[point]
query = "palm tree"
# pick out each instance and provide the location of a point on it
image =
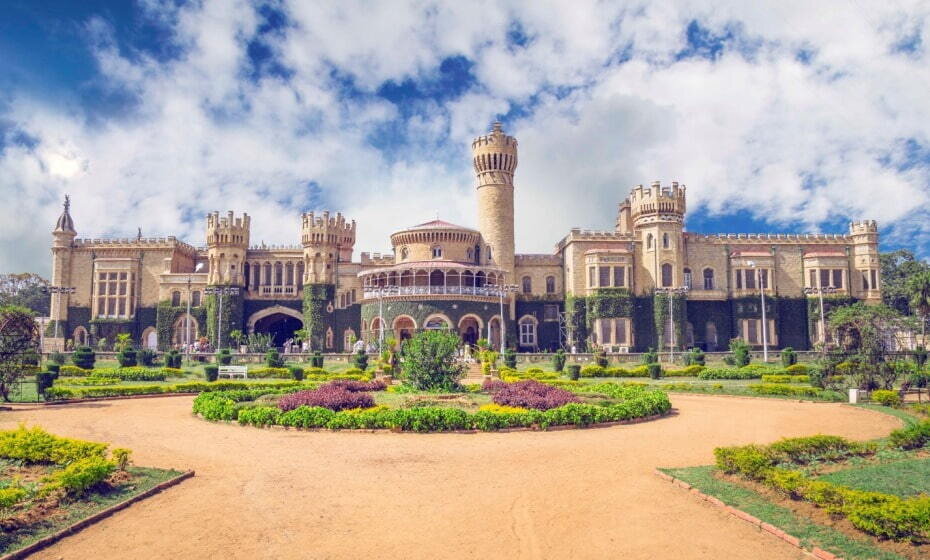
(918, 290)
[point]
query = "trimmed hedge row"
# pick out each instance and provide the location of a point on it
(124, 373)
(786, 379)
(66, 393)
(878, 514)
(795, 391)
(223, 406)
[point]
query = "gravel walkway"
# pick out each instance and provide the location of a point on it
(567, 494)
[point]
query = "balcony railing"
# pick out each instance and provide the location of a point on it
(370, 292)
(276, 290)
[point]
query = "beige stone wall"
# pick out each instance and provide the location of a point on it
(538, 274)
(495, 221)
(457, 246)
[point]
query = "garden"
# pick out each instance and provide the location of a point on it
(852, 499)
(50, 483)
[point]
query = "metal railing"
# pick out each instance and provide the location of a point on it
(371, 292)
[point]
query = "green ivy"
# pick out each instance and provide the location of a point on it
(166, 315)
(315, 298)
(231, 316)
(608, 303)
(660, 316)
(576, 315)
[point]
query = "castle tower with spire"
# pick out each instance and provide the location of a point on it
(62, 254)
(494, 157)
(227, 243)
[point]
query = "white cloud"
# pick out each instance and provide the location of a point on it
(755, 129)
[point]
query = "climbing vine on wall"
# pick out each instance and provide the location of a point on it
(660, 310)
(576, 317)
(609, 303)
(830, 303)
(316, 297)
(231, 317)
(166, 315)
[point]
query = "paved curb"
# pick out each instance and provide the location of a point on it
(99, 516)
(816, 552)
(563, 427)
(116, 398)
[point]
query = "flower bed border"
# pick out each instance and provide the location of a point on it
(561, 427)
(46, 541)
(816, 552)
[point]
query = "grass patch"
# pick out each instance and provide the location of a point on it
(904, 478)
(810, 533)
(93, 502)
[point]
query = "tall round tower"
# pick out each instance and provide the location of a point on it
(326, 241)
(227, 243)
(495, 158)
(62, 248)
(657, 215)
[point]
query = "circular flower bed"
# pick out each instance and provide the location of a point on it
(525, 404)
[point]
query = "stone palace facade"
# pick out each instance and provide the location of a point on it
(646, 282)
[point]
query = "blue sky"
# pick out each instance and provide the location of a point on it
(779, 117)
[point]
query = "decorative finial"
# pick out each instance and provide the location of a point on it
(67, 203)
(139, 234)
(497, 127)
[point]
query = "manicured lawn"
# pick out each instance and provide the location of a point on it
(809, 532)
(903, 478)
(92, 502)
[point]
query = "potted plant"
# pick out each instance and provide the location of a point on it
(237, 335)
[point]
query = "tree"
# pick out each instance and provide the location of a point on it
(870, 332)
(918, 290)
(25, 290)
(429, 360)
(897, 267)
(19, 336)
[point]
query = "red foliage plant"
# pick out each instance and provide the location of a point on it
(532, 394)
(358, 386)
(331, 396)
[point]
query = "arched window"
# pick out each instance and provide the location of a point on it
(527, 331)
(710, 336)
(175, 299)
(687, 275)
(666, 275)
(649, 241)
(437, 252)
(246, 274)
(195, 299)
(278, 274)
(550, 284)
(477, 254)
(403, 253)
(489, 253)
(348, 339)
(708, 278)
(329, 338)
(469, 254)
(527, 285)
(665, 242)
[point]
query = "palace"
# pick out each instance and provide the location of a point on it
(645, 282)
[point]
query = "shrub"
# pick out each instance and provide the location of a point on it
(650, 357)
(224, 357)
(740, 352)
(655, 370)
(44, 380)
(501, 409)
(360, 360)
(920, 356)
(786, 378)
(797, 369)
(146, 357)
(211, 372)
(788, 357)
(57, 358)
(74, 371)
(131, 373)
(533, 394)
(729, 373)
(317, 360)
(83, 357)
(53, 368)
(273, 359)
(328, 396)
(592, 370)
(510, 358)
(911, 437)
(429, 360)
(558, 360)
(600, 358)
(126, 357)
(689, 371)
(886, 398)
(270, 372)
(358, 386)
(296, 372)
(574, 372)
(788, 390)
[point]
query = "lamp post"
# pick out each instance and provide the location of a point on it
(220, 291)
(765, 341)
(500, 290)
(823, 323)
(671, 317)
(58, 290)
(187, 323)
(383, 291)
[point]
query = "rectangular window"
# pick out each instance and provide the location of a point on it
(527, 334)
(813, 279)
(752, 331)
(621, 332)
(764, 273)
(837, 278)
(874, 280)
(619, 280)
(688, 280)
(750, 279)
(604, 273)
(592, 278)
(550, 312)
(824, 278)
(865, 279)
(739, 279)
(606, 324)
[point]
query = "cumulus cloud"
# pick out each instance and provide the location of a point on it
(802, 115)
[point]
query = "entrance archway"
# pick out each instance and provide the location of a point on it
(495, 334)
(470, 329)
(280, 326)
(404, 327)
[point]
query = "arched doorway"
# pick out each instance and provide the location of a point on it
(404, 327)
(150, 338)
(470, 329)
(494, 337)
(280, 326)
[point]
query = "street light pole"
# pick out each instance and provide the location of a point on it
(671, 317)
(187, 322)
(383, 291)
(765, 326)
(823, 321)
(501, 288)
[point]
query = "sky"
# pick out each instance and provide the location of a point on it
(778, 116)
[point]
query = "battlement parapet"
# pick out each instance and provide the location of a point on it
(863, 227)
(377, 259)
(771, 237)
(661, 203)
(324, 229)
(169, 242)
(228, 229)
(537, 259)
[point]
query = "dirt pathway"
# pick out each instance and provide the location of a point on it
(569, 494)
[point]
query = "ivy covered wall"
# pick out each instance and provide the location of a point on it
(316, 299)
(231, 317)
(716, 313)
(547, 332)
(662, 305)
(165, 317)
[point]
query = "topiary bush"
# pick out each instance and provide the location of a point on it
(429, 360)
(224, 357)
(600, 358)
(360, 360)
(655, 370)
(592, 370)
(510, 358)
(126, 357)
(788, 357)
(650, 356)
(173, 359)
(739, 352)
(211, 372)
(57, 358)
(574, 372)
(83, 357)
(558, 360)
(316, 360)
(146, 357)
(296, 372)
(273, 359)
(695, 357)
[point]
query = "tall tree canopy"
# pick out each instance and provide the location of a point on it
(25, 290)
(897, 267)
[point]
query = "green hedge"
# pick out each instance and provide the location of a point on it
(67, 393)
(793, 391)
(223, 406)
(730, 373)
(786, 379)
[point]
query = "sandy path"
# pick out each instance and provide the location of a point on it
(570, 494)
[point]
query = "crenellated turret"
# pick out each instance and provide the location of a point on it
(494, 157)
(656, 203)
(866, 260)
(227, 243)
(326, 240)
